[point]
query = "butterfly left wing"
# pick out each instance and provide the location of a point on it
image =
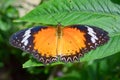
(40, 41)
(79, 39)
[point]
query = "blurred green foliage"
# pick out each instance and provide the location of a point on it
(11, 59)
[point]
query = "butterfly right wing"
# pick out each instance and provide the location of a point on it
(40, 41)
(80, 39)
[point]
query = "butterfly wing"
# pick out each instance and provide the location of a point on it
(79, 39)
(40, 41)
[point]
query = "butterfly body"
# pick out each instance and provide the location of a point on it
(69, 43)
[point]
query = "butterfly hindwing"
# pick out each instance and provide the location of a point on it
(79, 39)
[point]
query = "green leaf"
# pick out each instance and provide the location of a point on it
(4, 26)
(73, 12)
(101, 13)
(33, 63)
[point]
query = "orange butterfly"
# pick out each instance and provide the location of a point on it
(49, 44)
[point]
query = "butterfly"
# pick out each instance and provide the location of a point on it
(67, 44)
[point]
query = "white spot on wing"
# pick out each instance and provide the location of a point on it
(26, 36)
(23, 47)
(92, 34)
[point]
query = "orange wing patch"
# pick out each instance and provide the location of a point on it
(45, 42)
(71, 44)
